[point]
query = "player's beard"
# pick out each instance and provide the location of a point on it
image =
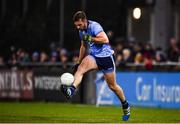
(84, 28)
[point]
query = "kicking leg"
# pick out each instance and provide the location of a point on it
(88, 63)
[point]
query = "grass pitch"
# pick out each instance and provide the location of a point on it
(74, 113)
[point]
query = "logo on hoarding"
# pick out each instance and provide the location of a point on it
(160, 91)
(142, 90)
(104, 94)
(47, 83)
(16, 84)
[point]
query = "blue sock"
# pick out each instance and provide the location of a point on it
(73, 88)
(125, 104)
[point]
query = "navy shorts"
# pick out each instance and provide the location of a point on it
(105, 64)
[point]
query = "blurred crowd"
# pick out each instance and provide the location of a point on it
(125, 52)
(21, 55)
(145, 53)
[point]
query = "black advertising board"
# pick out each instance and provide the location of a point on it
(47, 85)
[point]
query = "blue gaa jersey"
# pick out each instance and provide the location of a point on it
(97, 50)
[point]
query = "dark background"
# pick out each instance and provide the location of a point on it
(35, 24)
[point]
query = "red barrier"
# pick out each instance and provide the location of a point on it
(16, 84)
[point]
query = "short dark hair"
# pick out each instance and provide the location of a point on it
(79, 15)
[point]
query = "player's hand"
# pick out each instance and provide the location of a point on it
(75, 67)
(87, 37)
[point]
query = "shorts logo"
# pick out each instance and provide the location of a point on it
(109, 68)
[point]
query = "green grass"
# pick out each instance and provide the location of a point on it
(75, 113)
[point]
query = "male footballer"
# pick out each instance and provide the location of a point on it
(100, 57)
